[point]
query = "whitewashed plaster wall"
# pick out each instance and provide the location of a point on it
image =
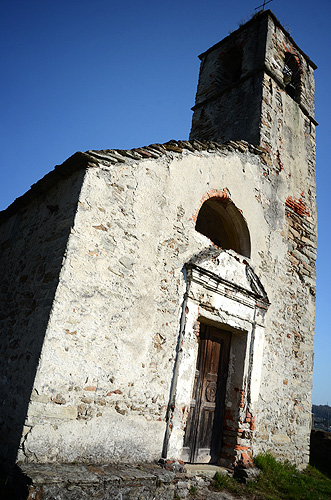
(103, 382)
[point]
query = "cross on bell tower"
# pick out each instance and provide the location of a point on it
(263, 5)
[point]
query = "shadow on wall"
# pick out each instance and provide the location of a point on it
(33, 243)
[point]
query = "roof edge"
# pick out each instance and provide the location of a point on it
(93, 158)
(75, 162)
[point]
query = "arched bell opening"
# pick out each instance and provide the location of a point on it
(292, 76)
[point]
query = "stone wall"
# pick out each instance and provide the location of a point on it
(33, 244)
(108, 348)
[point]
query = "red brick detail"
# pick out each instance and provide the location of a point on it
(242, 398)
(290, 50)
(250, 420)
(222, 194)
(246, 459)
(238, 447)
(297, 205)
(196, 329)
(297, 60)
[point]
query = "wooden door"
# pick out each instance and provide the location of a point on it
(203, 435)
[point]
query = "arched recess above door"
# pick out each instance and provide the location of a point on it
(221, 221)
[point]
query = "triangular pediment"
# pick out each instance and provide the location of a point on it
(225, 270)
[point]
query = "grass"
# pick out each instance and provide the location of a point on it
(227, 483)
(279, 481)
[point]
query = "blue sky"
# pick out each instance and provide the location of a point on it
(79, 75)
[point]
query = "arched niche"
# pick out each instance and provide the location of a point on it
(221, 221)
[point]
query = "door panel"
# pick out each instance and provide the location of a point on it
(203, 435)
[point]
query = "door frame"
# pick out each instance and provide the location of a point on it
(214, 297)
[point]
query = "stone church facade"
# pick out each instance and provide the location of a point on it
(160, 301)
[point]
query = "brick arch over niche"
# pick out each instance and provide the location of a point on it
(223, 223)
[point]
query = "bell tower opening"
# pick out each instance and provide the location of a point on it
(291, 74)
(229, 72)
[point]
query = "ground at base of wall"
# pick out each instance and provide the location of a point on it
(271, 480)
(111, 482)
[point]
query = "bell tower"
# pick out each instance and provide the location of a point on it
(257, 85)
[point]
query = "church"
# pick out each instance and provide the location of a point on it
(160, 301)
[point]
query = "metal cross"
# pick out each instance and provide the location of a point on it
(263, 5)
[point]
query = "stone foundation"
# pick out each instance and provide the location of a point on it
(124, 482)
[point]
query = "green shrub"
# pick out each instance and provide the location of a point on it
(282, 481)
(220, 481)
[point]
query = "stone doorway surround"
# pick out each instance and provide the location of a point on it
(222, 291)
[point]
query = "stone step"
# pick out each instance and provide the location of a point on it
(113, 482)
